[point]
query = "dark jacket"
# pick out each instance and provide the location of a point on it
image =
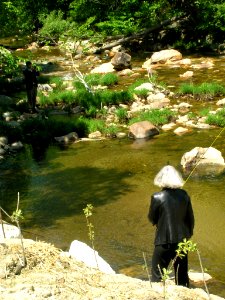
(30, 78)
(171, 211)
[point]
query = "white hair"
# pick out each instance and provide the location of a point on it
(169, 177)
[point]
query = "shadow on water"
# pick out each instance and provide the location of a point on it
(67, 192)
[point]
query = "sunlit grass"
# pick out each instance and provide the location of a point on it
(155, 116)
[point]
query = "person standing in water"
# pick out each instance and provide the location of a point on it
(30, 77)
(171, 212)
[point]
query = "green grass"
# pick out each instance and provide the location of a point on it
(109, 79)
(155, 116)
(121, 114)
(217, 119)
(209, 89)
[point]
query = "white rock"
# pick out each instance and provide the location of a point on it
(180, 130)
(199, 277)
(87, 255)
(145, 86)
(11, 231)
(221, 102)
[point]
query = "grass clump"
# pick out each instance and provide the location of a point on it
(109, 79)
(217, 119)
(121, 114)
(206, 89)
(157, 117)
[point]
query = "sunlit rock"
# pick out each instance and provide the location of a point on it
(199, 277)
(165, 55)
(187, 74)
(221, 102)
(181, 130)
(168, 126)
(141, 130)
(104, 68)
(207, 161)
(95, 135)
(82, 252)
(9, 231)
(145, 86)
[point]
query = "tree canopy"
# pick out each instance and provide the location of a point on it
(201, 22)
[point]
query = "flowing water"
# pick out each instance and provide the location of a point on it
(116, 177)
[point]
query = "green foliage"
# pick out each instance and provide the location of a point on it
(92, 79)
(9, 64)
(121, 114)
(217, 119)
(58, 81)
(143, 93)
(109, 79)
(155, 116)
(54, 25)
(111, 130)
(94, 125)
(208, 89)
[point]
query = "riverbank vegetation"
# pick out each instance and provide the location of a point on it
(133, 20)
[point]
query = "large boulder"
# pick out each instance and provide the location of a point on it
(142, 130)
(121, 61)
(206, 160)
(163, 57)
(82, 252)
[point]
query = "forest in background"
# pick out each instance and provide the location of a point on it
(191, 25)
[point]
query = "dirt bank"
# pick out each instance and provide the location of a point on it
(50, 274)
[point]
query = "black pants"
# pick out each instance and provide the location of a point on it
(162, 256)
(31, 97)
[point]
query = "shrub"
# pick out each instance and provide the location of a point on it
(155, 116)
(9, 64)
(54, 26)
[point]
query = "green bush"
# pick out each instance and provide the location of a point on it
(155, 116)
(54, 26)
(9, 64)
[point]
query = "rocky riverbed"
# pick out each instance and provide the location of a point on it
(51, 274)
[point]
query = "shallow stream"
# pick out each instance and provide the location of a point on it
(116, 177)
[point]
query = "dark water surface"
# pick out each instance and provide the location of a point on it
(116, 177)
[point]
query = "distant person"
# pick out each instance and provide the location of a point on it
(30, 77)
(171, 211)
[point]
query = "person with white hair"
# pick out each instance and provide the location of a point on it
(171, 211)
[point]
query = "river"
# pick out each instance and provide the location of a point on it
(116, 177)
